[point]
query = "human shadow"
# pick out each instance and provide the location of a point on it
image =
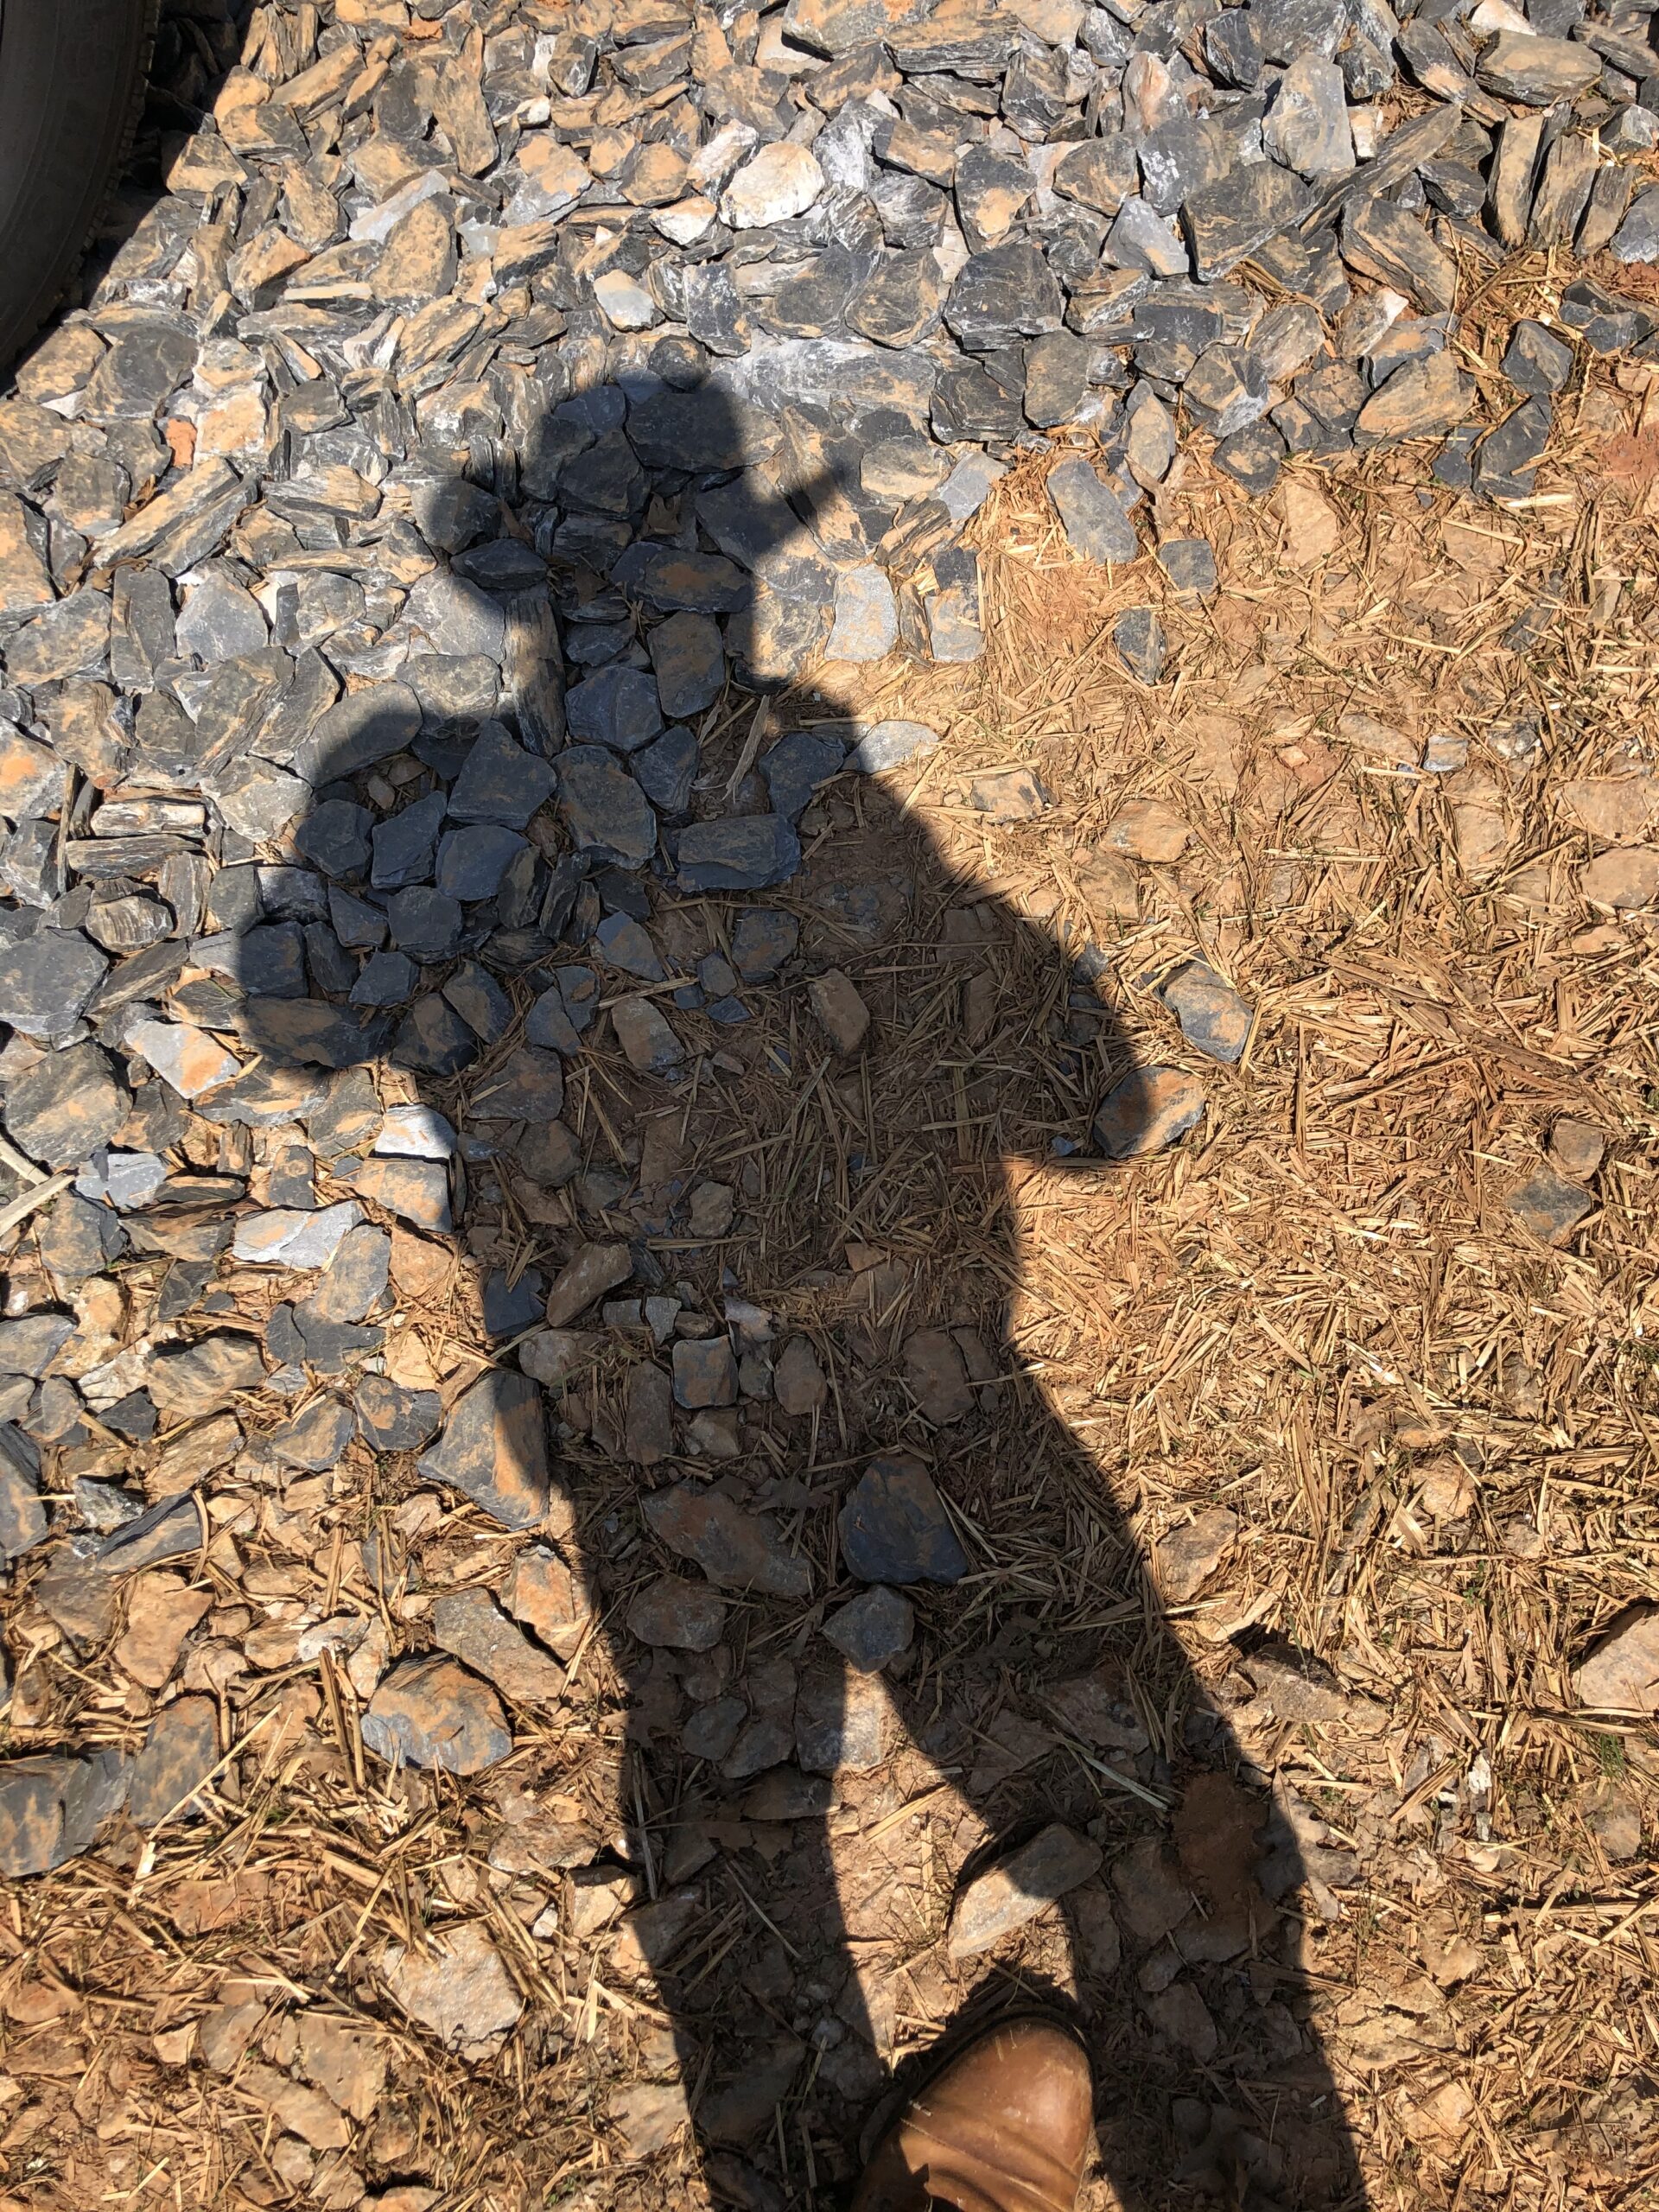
(726, 1082)
(529, 802)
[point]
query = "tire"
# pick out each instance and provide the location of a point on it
(72, 83)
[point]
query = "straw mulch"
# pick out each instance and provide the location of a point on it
(1437, 1433)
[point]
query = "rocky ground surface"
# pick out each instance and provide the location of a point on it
(829, 1103)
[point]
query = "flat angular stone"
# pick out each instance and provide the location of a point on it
(648, 1419)
(1227, 221)
(738, 853)
(618, 708)
(1002, 295)
(647, 1038)
(456, 1987)
(304, 1031)
(72, 638)
(840, 1011)
(468, 1624)
(735, 1549)
(1179, 157)
(1189, 1555)
(385, 979)
(392, 1417)
(1007, 794)
(873, 1630)
(219, 619)
(592, 1270)
(1227, 390)
(53, 1809)
(355, 1281)
(472, 861)
(607, 814)
(705, 1372)
(1148, 1110)
(900, 301)
(196, 1379)
(1306, 127)
(781, 181)
(963, 35)
(1637, 236)
(32, 777)
(680, 1615)
(1096, 525)
(48, 980)
(1506, 457)
(970, 402)
(1514, 172)
(1424, 399)
(1139, 636)
(1536, 72)
(1621, 1674)
(494, 1449)
(180, 1750)
(797, 766)
(625, 303)
(499, 781)
(357, 731)
(1537, 360)
(33, 441)
(1189, 564)
(647, 2116)
(1577, 1148)
(1563, 194)
(1056, 379)
(888, 745)
(315, 1439)
(282, 1236)
(405, 843)
(425, 923)
(937, 1377)
(965, 490)
(894, 1528)
(840, 1721)
(866, 623)
(1142, 238)
(1151, 441)
(688, 663)
(1607, 324)
(22, 1515)
(953, 634)
(1620, 810)
(431, 1713)
(29, 1344)
(1548, 1206)
(335, 836)
(1632, 131)
(1013, 1892)
(666, 771)
(992, 190)
(1383, 241)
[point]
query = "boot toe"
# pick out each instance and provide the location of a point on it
(1004, 2126)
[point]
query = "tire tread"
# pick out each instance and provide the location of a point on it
(16, 338)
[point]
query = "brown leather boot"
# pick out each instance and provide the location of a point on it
(1004, 2126)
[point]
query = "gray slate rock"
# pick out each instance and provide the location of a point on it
(894, 1528)
(1096, 525)
(748, 852)
(494, 1449)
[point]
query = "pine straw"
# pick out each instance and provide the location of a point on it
(1318, 1312)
